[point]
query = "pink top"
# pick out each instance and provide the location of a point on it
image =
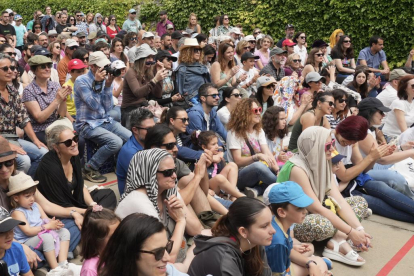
(263, 59)
(90, 267)
(112, 33)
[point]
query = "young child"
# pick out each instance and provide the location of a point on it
(288, 202)
(222, 177)
(12, 252)
(98, 226)
(39, 231)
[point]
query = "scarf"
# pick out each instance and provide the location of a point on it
(332, 38)
(311, 158)
(53, 183)
(142, 172)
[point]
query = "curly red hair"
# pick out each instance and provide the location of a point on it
(241, 117)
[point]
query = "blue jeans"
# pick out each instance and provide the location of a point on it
(226, 203)
(251, 175)
(387, 202)
(30, 161)
(115, 113)
(75, 234)
(392, 178)
(110, 137)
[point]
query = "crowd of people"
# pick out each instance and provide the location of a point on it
(255, 147)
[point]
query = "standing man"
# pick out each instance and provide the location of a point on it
(63, 26)
(289, 31)
(82, 27)
(20, 31)
(373, 56)
(132, 24)
(6, 28)
(162, 25)
(97, 26)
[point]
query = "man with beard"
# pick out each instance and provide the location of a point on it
(26, 55)
(274, 68)
(81, 39)
(6, 28)
(132, 24)
(63, 26)
(43, 40)
(97, 26)
(290, 31)
(165, 42)
(162, 25)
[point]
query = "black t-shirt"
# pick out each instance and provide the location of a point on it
(7, 29)
(60, 27)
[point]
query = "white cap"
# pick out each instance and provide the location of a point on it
(147, 34)
(249, 38)
(71, 42)
(235, 30)
(118, 64)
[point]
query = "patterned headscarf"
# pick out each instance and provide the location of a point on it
(332, 38)
(142, 172)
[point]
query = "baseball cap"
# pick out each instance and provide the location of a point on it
(118, 64)
(101, 40)
(52, 32)
(162, 12)
(288, 42)
(289, 26)
(162, 54)
(99, 59)
(42, 52)
(291, 192)
(276, 51)
(147, 35)
(397, 73)
(235, 30)
(92, 35)
(266, 193)
(313, 76)
(249, 38)
(248, 55)
(18, 17)
(101, 33)
(176, 35)
(20, 182)
(76, 64)
(7, 223)
(81, 34)
(132, 10)
(319, 43)
(371, 103)
(336, 157)
(264, 81)
(71, 42)
(170, 26)
(39, 60)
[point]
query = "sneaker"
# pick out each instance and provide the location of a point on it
(93, 176)
(250, 192)
(367, 213)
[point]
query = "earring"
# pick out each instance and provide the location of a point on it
(250, 247)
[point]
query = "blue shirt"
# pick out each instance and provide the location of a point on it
(20, 31)
(16, 260)
(34, 219)
(278, 252)
(92, 105)
(373, 61)
(125, 155)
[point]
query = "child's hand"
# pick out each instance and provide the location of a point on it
(301, 248)
(60, 225)
(52, 224)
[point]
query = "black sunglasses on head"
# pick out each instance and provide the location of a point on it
(159, 252)
(7, 163)
(68, 142)
(169, 146)
(168, 173)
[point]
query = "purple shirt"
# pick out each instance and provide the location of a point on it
(162, 28)
(90, 267)
(34, 93)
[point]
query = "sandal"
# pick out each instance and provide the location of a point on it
(351, 258)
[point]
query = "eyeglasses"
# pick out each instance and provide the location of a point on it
(302, 37)
(341, 100)
(184, 120)
(246, 48)
(257, 33)
(133, 38)
(37, 27)
(7, 163)
(78, 15)
(85, 58)
(319, 55)
(330, 145)
(10, 53)
(169, 146)
(159, 252)
(168, 173)
(331, 103)
(73, 48)
(347, 41)
(270, 86)
(213, 95)
(6, 68)
(237, 95)
(257, 110)
(44, 66)
(296, 60)
(197, 50)
(252, 41)
(57, 47)
(69, 142)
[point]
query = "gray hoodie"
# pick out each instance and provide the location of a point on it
(95, 27)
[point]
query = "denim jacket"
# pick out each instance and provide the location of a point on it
(190, 77)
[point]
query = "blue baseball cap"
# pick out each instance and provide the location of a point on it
(291, 192)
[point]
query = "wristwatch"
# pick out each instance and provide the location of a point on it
(310, 261)
(71, 212)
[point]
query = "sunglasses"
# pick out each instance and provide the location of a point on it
(6, 68)
(133, 38)
(225, 19)
(69, 142)
(113, 19)
(52, 36)
(168, 173)
(412, 86)
(330, 145)
(159, 252)
(237, 95)
(143, 128)
(213, 96)
(252, 41)
(73, 48)
(78, 15)
(57, 47)
(341, 100)
(7, 163)
(246, 48)
(72, 19)
(37, 27)
(63, 43)
(169, 146)
(381, 112)
(347, 41)
(197, 50)
(44, 66)
(270, 86)
(168, 59)
(257, 33)
(184, 120)
(86, 58)
(133, 13)
(296, 60)
(319, 55)
(302, 37)
(257, 110)
(329, 102)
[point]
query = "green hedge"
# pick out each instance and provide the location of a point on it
(360, 19)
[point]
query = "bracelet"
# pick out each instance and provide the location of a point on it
(401, 149)
(71, 212)
(310, 261)
(359, 228)
(349, 231)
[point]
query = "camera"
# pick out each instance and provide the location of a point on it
(113, 72)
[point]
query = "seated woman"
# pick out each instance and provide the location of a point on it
(130, 40)
(381, 198)
(191, 72)
(237, 245)
(44, 99)
(373, 110)
(265, 89)
(151, 188)
(142, 248)
(340, 109)
(362, 83)
(313, 83)
(266, 43)
(247, 147)
(241, 48)
(312, 170)
(401, 116)
(314, 62)
(343, 57)
(322, 105)
(293, 65)
(333, 39)
(231, 96)
(319, 43)
(117, 51)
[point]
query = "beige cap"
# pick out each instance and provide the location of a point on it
(397, 73)
(19, 183)
(99, 59)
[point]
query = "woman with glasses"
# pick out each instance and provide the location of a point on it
(265, 90)
(117, 51)
(62, 40)
(224, 27)
(82, 54)
(130, 40)
(112, 29)
(340, 109)
(241, 48)
(71, 20)
(231, 96)
(300, 47)
(266, 43)
(343, 56)
(54, 48)
(293, 64)
(322, 105)
(142, 247)
(314, 62)
(256, 32)
(333, 39)
(151, 188)
(37, 27)
(247, 147)
(312, 170)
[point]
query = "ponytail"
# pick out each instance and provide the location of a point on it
(202, 138)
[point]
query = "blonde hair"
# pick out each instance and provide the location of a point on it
(290, 58)
(270, 39)
(189, 20)
(240, 46)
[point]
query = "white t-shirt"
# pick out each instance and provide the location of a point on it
(224, 115)
(207, 118)
(407, 136)
(387, 96)
(346, 151)
(256, 140)
(391, 125)
(302, 53)
(250, 75)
